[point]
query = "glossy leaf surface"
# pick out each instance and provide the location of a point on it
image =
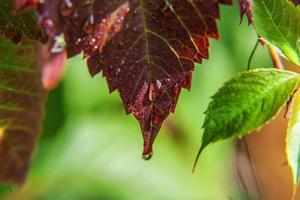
(246, 103)
(278, 22)
(145, 49)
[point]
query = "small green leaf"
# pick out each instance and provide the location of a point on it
(6, 188)
(278, 23)
(293, 139)
(246, 103)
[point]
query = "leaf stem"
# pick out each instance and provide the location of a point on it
(275, 58)
(252, 54)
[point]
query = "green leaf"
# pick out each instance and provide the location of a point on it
(14, 27)
(21, 105)
(6, 188)
(293, 139)
(278, 23)
(246, 103)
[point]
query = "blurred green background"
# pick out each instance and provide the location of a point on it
(90, 149)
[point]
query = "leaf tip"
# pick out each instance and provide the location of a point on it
(147, 156)
(197, 157)
(148, 152)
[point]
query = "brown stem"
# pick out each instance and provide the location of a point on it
(275, 58)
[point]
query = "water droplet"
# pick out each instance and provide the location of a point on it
(75, 14)
(48, 24)
(68, 3)
(78, 41)
(147, 153)
(95, 48)
(66, 7)
(147, 156)
(151, 92)
(158, 84)
(91, 19)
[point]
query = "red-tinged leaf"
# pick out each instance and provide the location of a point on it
(98, 34)
(14, 27)
(246, 8)
(145, 49)
(53, 67)
(21, 105)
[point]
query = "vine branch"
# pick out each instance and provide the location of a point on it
(251, 55)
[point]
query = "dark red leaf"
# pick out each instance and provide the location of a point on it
(145, 49)
(246, 8)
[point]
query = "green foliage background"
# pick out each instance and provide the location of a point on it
(91, 150)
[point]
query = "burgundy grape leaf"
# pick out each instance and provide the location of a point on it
(145, 49)
(21, 105)
(14, 27)
(246, 8)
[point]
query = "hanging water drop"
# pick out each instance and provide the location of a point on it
(147, 156)
(78, 41)
(147, 153)
(158, 84)
(92, 42)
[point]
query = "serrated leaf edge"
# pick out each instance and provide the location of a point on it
(296, 76)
